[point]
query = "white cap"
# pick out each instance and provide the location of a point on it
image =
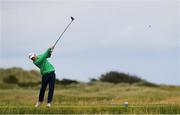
(31, 55)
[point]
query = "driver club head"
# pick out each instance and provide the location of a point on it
(72, 18)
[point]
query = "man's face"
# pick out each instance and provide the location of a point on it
(34, 58)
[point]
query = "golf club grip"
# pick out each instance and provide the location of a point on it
(62, 34)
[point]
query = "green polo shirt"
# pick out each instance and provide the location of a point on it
(43, 64)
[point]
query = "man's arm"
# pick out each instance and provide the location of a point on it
(50, 52)
(45, 55)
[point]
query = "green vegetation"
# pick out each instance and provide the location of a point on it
(10, 79)
(66, 82)
(116, 77)
(18, 75)
(93, 97)
(97, 97)
(19, 78)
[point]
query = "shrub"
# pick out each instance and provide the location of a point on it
(116, 77)
(57, 81)
(29, 84)
(148, 84)
(10, 79)
(93, 79)
(67, 81)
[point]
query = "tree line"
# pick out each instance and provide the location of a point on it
(25, 78)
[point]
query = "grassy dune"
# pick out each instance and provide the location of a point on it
(95, 98)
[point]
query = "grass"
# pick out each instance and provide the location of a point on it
(94, 98)
(105, 109)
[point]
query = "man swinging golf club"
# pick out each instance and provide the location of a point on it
(48, 74)
(47, 71)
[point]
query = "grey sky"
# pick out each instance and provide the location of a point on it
(137, 37)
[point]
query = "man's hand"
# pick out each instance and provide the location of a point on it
(52, 47)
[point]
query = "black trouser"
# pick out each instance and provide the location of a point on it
(48, 78)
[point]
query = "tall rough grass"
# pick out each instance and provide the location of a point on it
(96, 97)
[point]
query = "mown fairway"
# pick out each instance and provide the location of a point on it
(95, 98)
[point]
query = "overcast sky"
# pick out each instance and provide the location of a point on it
(136, 37)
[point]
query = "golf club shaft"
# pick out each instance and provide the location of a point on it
(62, 34)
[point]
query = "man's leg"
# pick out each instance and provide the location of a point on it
(51, 87)
(43, 88)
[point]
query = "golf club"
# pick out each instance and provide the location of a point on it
(72, 18)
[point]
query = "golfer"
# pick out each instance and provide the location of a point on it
(48, 75)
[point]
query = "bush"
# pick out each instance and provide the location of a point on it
(93, 79)
(10, 79)
(57, 81)
(116, 77)
(148, 84)
(66, 81)
(29, 84)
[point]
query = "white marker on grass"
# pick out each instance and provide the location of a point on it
(126, 104)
